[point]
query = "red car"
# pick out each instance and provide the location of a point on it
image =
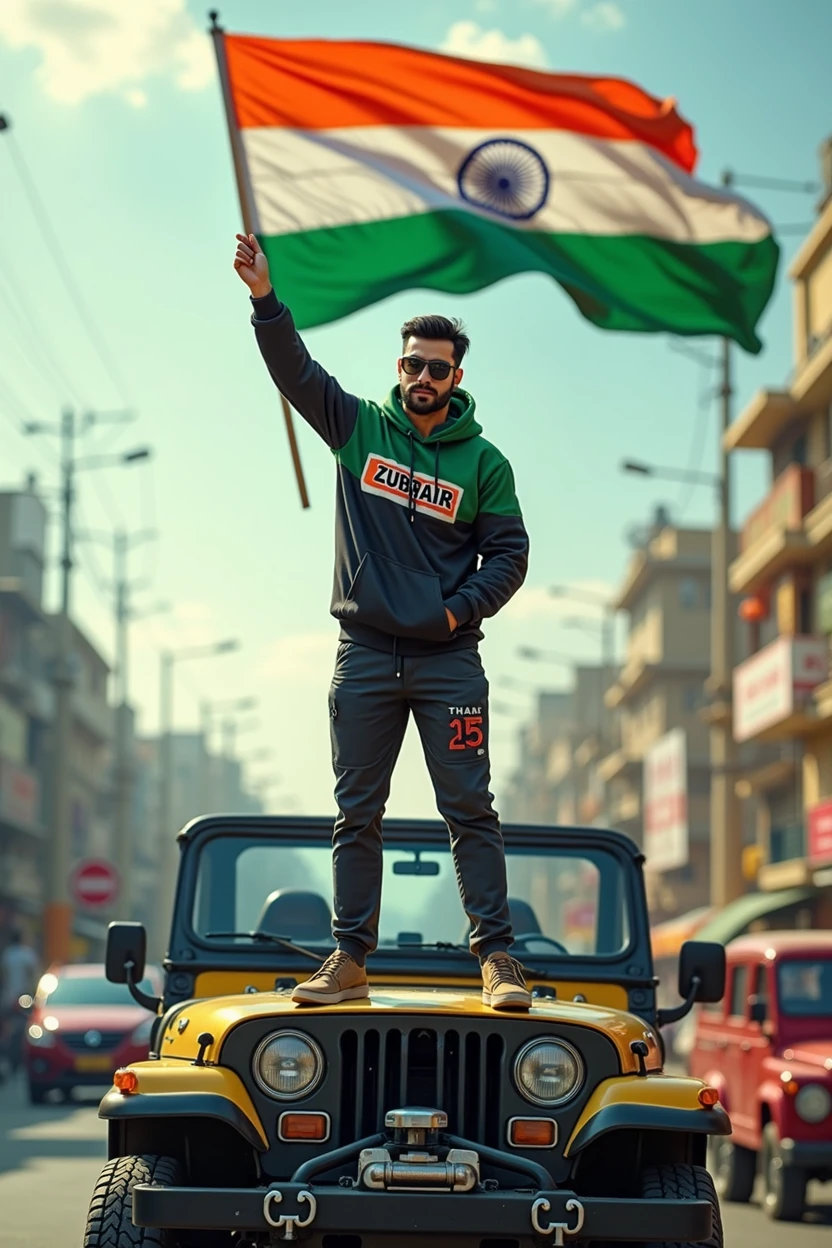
(82, 1028)
(767, 1048)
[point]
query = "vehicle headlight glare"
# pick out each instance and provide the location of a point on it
(548, 1072)
(42, 1039)
(288, 1065)
(813, 1102)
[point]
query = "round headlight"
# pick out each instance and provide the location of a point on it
(548, 1072)
(813, 1102)
(288, 1065)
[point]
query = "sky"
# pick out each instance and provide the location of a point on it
(116, 111)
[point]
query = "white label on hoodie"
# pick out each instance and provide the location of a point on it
(391, 480)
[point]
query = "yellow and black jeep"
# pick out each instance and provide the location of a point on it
(418, 1113)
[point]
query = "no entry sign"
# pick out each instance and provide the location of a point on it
(94, 884)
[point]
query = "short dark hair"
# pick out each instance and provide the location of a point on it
(438, 327)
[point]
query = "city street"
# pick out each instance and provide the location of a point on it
(50, 1157)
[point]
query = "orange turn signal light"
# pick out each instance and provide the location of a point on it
(303, 1127)
(708, 1097)
(532, 1132)
(126, 1081)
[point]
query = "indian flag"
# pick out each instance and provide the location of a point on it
(370, 168)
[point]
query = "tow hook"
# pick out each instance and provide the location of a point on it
(289, 1222)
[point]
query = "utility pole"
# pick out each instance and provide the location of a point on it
(58, 913)
(229, 738)
(726, 821)
(167, 847)
(123, 769)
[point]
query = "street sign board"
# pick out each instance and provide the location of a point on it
(94, 884)
(666, 803)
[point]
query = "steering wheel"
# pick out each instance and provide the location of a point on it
(526, 937)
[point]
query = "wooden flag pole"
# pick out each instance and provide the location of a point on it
(249, 212)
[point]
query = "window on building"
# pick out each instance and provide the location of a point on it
(690, 698)
(798, 455)
(739, 991)
(688, 593)
(805, 619)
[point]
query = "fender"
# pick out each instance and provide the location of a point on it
(654, 1103)
(175, 1089)
(716, 1079)
(771, 1096)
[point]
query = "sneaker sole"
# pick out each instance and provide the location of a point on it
(517, 1001)
(305, 997)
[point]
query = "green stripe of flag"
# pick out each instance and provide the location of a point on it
(619, 282)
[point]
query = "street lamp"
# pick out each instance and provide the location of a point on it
(725, 870)
(167, 843)
(688, 476)
(207, 711)
(605, 628)
(534, 655)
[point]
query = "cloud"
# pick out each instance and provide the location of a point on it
(537, 602)
(109, 47)
(486, 6)
(471, 40)
(557, 8)
(301, 658)
(605, 17)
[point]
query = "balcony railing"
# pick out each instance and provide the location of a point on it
(791, 497)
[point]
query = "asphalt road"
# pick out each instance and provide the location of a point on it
(50, 1156)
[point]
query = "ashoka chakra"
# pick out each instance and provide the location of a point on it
(505, 176)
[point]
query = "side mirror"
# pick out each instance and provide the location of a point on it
(126, 943)
(703, 960)
(758, 1011)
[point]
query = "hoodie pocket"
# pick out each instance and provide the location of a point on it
(396, 599)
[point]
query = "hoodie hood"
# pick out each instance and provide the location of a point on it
(460, 425)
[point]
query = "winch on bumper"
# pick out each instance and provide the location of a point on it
(445, 1172)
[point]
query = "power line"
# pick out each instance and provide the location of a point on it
(70, 285)
(16, 303)
(9, 400)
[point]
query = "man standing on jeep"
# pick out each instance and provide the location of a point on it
(429, 542)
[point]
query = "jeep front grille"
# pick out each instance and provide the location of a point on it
(459, 1071)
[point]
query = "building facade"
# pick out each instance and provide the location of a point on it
(666, 594)
(783, 692)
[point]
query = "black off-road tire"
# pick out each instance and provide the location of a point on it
(110, 1219)
(734, 1169)
(785, 1186)
(683, 1182)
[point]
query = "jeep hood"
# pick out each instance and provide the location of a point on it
(219, 1015)
(811, 1053)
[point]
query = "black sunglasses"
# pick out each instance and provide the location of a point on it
(438, 369)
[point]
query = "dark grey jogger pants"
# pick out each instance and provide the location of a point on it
(371, 697)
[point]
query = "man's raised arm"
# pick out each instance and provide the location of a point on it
(317, 396)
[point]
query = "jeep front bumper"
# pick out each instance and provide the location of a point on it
(293, 1211)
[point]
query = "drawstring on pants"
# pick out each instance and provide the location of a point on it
(397, 658)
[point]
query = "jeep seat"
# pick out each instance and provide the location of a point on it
(297, 914)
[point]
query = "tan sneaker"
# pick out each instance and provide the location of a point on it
(339, 979)
(503, 985)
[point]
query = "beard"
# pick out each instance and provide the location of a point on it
(425, 404)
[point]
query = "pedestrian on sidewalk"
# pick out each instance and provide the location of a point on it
(429, 542)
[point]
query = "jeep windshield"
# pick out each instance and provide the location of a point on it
(562, 900)
(805, 987)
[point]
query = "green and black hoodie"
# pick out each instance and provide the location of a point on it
(421, 523)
